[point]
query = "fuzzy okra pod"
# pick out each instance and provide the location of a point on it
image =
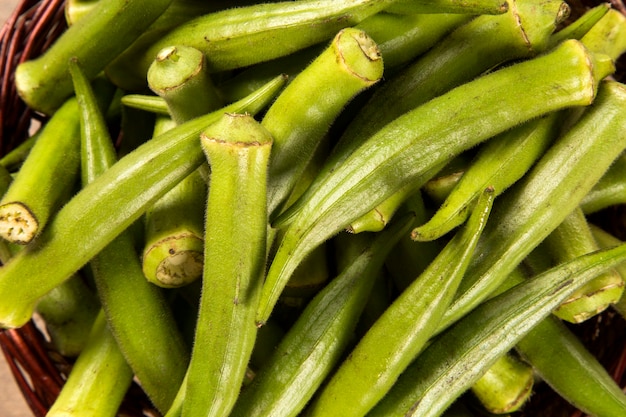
(610, 190)
(124, 192)
(316, 342)
(238, 149)
(460, 356)
(476, 7)
(46, 179)
(404, 150)
(403, 330)
(44, 82)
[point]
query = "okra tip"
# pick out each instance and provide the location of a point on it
(18, 224)
(360, 54)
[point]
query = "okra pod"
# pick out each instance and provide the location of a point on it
(461, 355)
(477, 7)
(16, 156)
(403, 330)
(605, 240)
(147, 103)
(46, 179)
(610, 190)
(314, 345)
(44, 83)
(403, 151)
(124, 191)
(237, 148)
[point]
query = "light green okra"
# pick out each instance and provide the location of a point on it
(130, 303)
(317, 340)
(147, 103)
(606, 240)
(582, 25)
(13, 159)
(476, 7)
(609, 191)
(238, 149)
(124, 192)
(457, 359)
(44, 83)
(403, 151)
(403, 330)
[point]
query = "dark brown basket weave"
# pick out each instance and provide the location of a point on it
(40, 372)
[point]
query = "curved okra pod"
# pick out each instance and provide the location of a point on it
(403, 330)
(237, 148)
(44, 83)
(573, 238)
(476, 7)
(562, 361)
(403, 151)
(46, 179)
(124, 192)
(460, 356)
(129, 302)
(300, 116)
(314, 345)
(99, 378)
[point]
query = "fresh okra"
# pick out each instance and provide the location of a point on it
(315, 343)
(605, 240)
(403, 330)
(403, 151)
(460, 356)
(237, 148)
(44, 83)
(477, 7)
(16, 156)
(147, 103)
(124, 192)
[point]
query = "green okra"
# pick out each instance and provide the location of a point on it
(44, 83)
(477, 7)
(130, 303)
(573, 238)
(238, 149)
(540, 201)
(499, 163)
(124, 192)
(99, 378)
(403, 151)
(609, 191)
(605, 240)
(562, 361)
(300, 116)
(460, 356)
(148, 103)
(13, 159)
(46, 179)
(582, 25)
(608, 35)
(239, 37)
(506, 386)
(317, 340)
(403, 330)
(77, 9)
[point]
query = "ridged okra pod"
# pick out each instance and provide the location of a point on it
(403, 151)
(476, 7)
(403, 330)
(301, 116)
(46, 179)
(44, 82)
(131, 304)
(610, 190)
(238, 149)
(316, 342)
(541, 200)
(457, 359)
(99, 378)
(124, 192)
(239, 37)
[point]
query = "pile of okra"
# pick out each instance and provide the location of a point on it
(320, 207)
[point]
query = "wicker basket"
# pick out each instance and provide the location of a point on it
(40, 372)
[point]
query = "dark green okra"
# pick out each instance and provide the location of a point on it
(316, 342)
(124, 192)
(403, 330)
(46, 179)
(403, 151)
(541, 200)
(238, 149)
(44, 83)
(130, 303)
(460, 356)
(99, 378)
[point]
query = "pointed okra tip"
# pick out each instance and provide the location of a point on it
(18, 224)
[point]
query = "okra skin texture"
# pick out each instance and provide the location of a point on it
(315, 343)
(44, 83)
(125, 191)
(403, 151)
(99, 378)
(477, 7)
(461, 355)
(45, 180)
(300, 116)
(562, 361)
(403, 330)
(238, 149)
(539, 202)
(610, 190)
